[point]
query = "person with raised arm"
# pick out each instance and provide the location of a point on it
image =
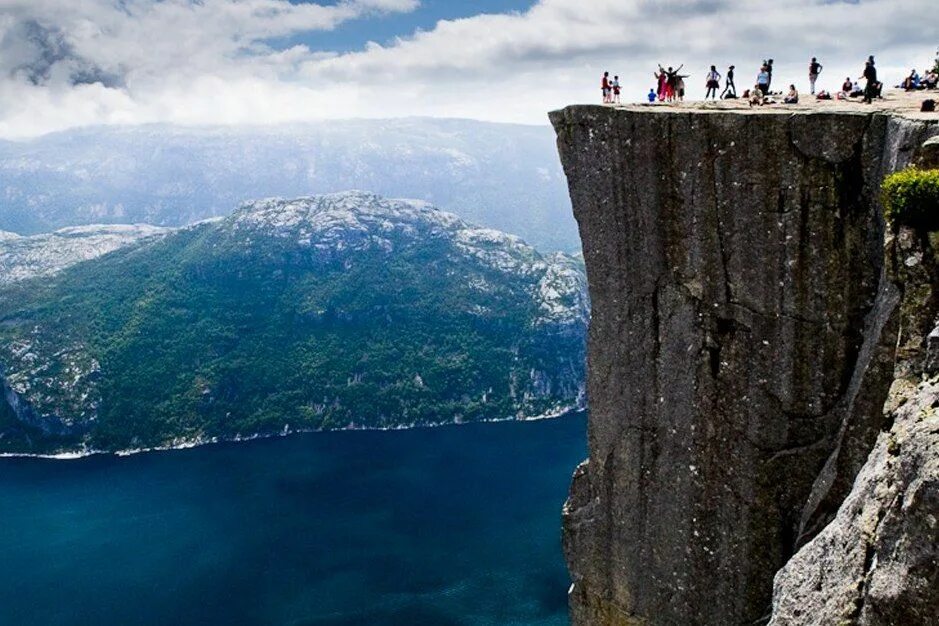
(661, 79)
(672, 80)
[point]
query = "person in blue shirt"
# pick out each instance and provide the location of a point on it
(651, 95)
(763, 79)
(912, 81)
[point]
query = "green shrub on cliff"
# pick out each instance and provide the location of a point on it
(911, 198)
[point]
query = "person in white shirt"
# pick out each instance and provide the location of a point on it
(713, 83)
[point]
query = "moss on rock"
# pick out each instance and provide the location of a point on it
(911, 198)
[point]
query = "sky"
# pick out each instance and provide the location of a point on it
(70, 63)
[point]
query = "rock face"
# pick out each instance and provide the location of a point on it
(741, 347)
(878, 562)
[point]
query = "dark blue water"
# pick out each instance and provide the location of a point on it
(442, 526)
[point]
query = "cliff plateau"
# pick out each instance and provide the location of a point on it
(741, 348)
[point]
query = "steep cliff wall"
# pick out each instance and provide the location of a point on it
(741, 342)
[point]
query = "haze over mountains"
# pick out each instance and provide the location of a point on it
(502, 176)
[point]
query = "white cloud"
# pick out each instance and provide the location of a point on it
(209, 61)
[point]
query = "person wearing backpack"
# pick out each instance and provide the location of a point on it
(815, 68)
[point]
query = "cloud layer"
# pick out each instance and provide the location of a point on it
(66, 63)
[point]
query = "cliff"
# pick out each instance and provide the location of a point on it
(742, 346)
(877, 562)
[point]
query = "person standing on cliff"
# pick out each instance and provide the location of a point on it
(762, 80)
(713, 83)
(662, 81)
(730, 89)
(680, 86)
(870, 75)
(769, 71)
(605, 87)
(815, 68)
(616, 90)
(672, 83)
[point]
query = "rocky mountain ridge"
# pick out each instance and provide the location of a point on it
(24, 257)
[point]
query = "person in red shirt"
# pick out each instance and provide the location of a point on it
(605, 87)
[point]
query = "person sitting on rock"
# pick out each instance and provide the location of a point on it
(846, 88)
(931, 80)
(911, 82)
(792, 97)
(651, 96)
(856, 91)
(756, 95)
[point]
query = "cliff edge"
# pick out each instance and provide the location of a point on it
(742, 346)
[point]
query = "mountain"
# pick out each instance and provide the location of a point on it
(499, 175)
(330, 312)
(42, 255)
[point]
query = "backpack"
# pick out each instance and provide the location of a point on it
(929, 106)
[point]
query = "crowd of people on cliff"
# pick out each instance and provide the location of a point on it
(670, 85)
(916, 82)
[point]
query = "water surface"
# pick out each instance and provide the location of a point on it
(456, 525)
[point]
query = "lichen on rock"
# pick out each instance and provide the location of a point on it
(877, 562)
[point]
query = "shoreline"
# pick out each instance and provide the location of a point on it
(198, 443)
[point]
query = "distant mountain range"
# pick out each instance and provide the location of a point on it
(338, 311)
(502, 176)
